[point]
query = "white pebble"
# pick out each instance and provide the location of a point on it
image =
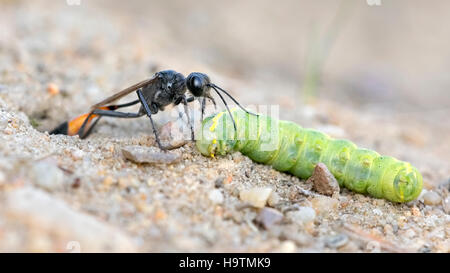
(287, 247)
(77, 154)
(216, 196)
(257, 197)
(446, 205)
(303, 215)
(377, 212)
(431, 198)
(273, 200)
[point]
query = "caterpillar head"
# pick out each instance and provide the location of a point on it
(407, 184)
(216, 135)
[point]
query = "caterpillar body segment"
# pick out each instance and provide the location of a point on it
(288, 147)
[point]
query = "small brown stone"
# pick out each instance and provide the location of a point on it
(323, 181)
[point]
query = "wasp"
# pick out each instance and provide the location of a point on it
(165, 88)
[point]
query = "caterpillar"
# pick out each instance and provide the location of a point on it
(288, 147)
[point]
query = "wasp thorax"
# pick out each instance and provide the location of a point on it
(198, 83)
(171, 81)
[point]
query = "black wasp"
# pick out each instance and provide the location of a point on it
(154, 94)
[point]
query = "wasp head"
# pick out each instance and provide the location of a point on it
(198, 84)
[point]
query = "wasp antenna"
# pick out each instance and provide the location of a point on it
(231, 97)
(203, 104)
(226, 105)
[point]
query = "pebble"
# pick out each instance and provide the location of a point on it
(36, 210)
(431, 198)
(324, 204)
(142, 154)
(268, 217)
(274, 199)
(47, 176)
(128, 181)
(388, 229)
(218, 183)
(373, 247)
(171, 135)
(302, 216)
(257, 197)
(336, 241)
(350, 247)
(108, 181)
(401, 221)
(415, 211)
(52, 89)
(377, 212)
(76, 183)
(8, 131)
(216, 196)
(323, 181)
(286, 247)
(446, 205)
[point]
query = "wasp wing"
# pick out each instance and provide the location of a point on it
(123, 93)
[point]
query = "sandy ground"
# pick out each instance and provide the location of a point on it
(60, 193)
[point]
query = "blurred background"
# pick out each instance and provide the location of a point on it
(376, 54)
(394, 55)
(382, 63)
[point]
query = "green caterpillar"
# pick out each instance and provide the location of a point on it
(290, 148)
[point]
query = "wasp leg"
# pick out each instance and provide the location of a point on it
(115, 114)
(203, 105)
(106, 113)
(185, 102)
(114, 107)
(89, 131)
(149, 114)
(83, 134)
(186, 111)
